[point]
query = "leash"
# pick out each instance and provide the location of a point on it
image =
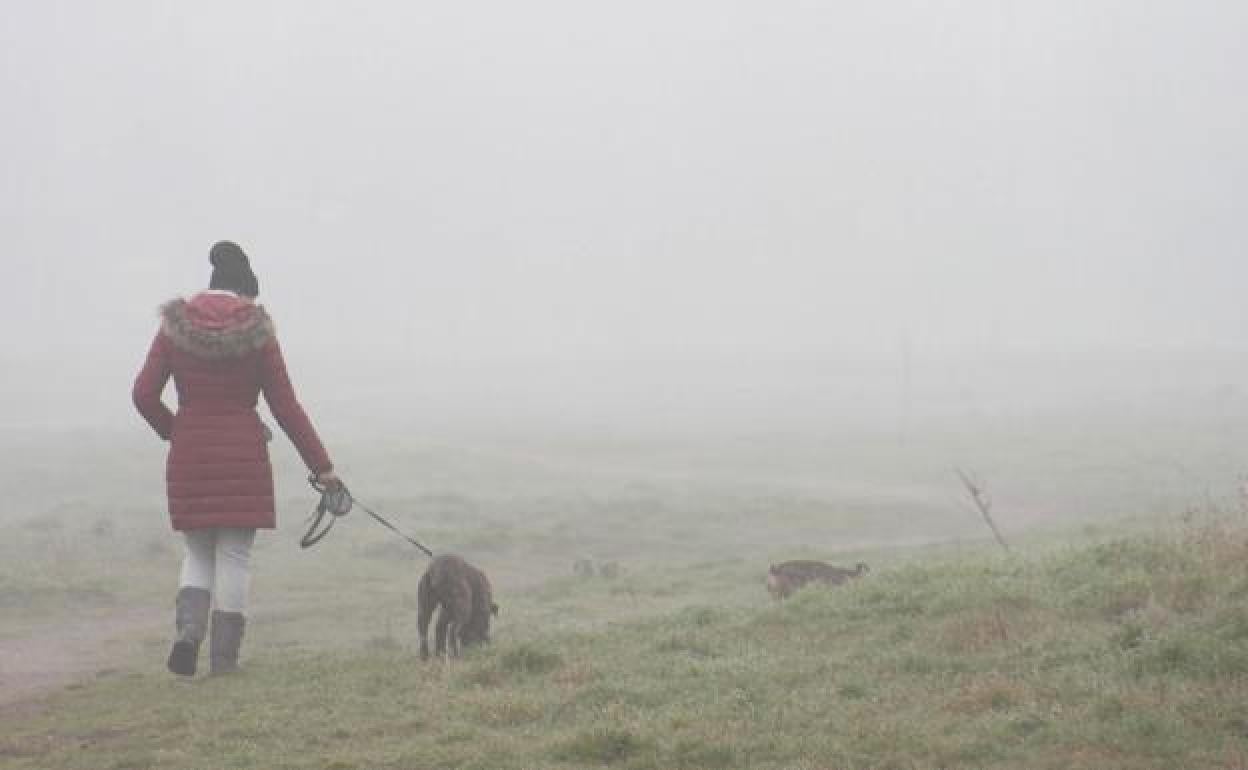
(336, 502)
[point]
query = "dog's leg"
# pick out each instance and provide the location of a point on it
(444, 619)
(453, 644)
(424, 611)
(459, 607)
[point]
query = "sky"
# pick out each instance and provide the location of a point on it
(555, 182)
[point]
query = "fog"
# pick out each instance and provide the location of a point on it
(684, 287)
(707, 215)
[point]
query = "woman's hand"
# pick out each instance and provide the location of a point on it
(328, 479)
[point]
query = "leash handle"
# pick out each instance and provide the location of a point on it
(336, 500)
(312, 537)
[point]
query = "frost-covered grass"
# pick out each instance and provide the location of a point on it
(1131, 652)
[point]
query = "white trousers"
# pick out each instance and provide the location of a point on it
(218, 560)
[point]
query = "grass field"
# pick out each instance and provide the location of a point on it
(1105, 640)
(1126, 653)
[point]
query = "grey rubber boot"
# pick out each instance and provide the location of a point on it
(191, 623)
(227, 636)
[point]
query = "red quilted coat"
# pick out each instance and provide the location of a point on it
(222, 353)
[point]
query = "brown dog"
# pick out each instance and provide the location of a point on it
(784, 579)
(466, 600)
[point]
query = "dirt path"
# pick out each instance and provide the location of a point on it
(55, 654)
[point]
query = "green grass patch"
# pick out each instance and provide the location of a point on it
(1132, 653)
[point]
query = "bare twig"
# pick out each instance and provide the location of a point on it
(983, 503)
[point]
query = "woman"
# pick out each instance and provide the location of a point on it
(221, 350)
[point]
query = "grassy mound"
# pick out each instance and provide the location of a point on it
(1131, 653)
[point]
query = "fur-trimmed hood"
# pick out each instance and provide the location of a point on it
(216, 325)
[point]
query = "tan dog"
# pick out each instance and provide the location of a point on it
(784, 579)
(466, 600)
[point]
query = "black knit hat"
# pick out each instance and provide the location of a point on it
(231, 270)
